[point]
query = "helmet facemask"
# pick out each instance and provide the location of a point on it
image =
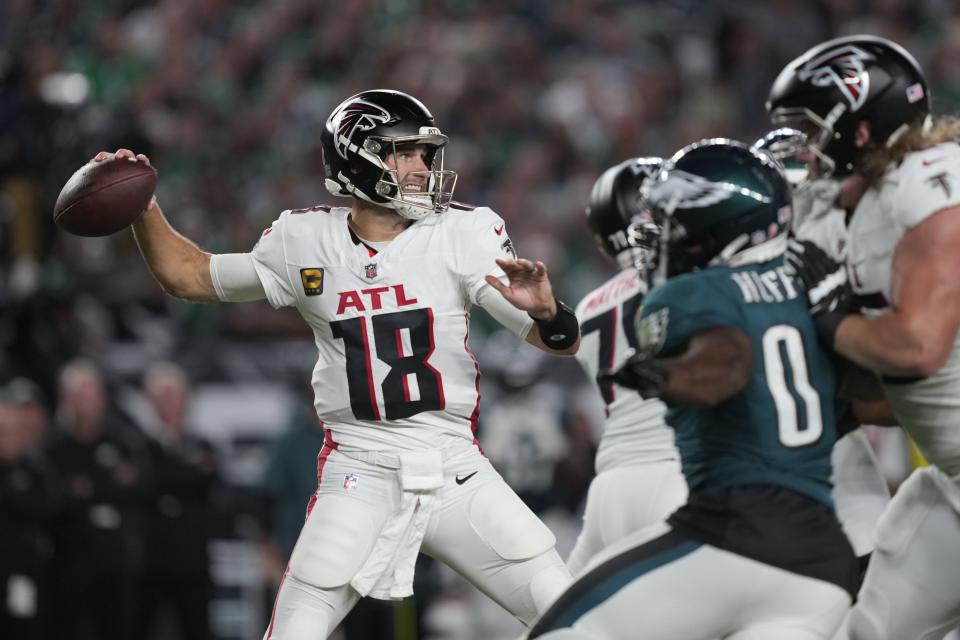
(643, 236)
(672, 255)
(818, 134)
(789, 147)
(417, 193)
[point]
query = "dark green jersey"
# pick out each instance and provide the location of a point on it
(780, 428)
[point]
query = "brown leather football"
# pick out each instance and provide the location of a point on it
(104, 197)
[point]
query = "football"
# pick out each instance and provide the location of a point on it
(104, 197)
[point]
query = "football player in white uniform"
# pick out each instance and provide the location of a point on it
(639, 481)
(387, 286)
(864, 105)
(860, 491)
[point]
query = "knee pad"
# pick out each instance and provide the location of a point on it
(548, 579)
(501, 519)
(304, 624)
(547, 586)
(304, 612)
(927, 489)
(334, 543)
(911, 584)
(861, 622)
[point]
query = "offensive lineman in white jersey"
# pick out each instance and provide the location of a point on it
(639, 481)
(387, 286)
(860, 491)
(864, 104)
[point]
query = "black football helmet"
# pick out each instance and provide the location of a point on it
(359, 135)
(828, 90)
(621, 226)
(718, 202)
(785, 145)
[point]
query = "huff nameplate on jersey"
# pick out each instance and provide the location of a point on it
(312, 281)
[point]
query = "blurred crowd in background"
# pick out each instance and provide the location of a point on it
(154, 452)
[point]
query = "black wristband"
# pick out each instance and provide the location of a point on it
(562, 331)
(827, 324)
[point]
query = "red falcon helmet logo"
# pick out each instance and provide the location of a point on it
(357, 115)
(843, 67)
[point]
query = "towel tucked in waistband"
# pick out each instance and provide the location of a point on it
(387, 573)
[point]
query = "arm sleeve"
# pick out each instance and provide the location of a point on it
(678, 309)
(930, 182)
(517, 321)
(235, 277)
(270, 261)
(482, 242)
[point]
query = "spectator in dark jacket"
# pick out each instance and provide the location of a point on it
(177, 577)
(103, 481)
(27, 505)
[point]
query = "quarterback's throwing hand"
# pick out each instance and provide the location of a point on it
(528, 287)
(642, 372)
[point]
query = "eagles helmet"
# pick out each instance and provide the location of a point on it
(828, 90)
(785, 145)
(621, 226)
(359, 135)
(718, 202)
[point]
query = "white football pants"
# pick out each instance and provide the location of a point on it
(860, 491)
(622, 501)
(912, 587)
(478, 527)
(653, 587)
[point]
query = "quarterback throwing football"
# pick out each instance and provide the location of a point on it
(387, 286)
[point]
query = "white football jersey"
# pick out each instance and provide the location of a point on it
(819, 221)
(394, 369)
(634, 431)
(926, 182)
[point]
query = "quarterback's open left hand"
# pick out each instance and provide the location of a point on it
(528, 287)
(642, 372)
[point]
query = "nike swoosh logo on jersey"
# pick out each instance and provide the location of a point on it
(464, 478)
(927, 163)
(498, 230)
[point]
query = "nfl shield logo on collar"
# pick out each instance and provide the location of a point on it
(350, 481)
(370, 271)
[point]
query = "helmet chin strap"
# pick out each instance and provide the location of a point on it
(412, 207)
